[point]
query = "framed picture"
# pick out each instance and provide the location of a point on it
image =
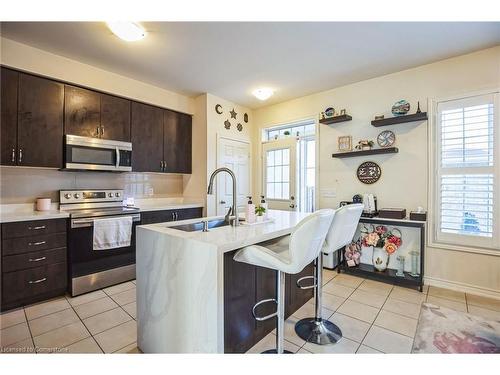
(345, 143)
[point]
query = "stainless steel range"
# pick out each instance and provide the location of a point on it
(88, 269)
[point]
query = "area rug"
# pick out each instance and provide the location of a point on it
(442, 330)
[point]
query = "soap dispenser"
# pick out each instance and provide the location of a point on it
(250, 211)
(263, 203)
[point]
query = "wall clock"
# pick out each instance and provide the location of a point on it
(368, 172)
(386, 138)
(218, 109)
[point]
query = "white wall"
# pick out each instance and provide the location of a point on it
(404, 181)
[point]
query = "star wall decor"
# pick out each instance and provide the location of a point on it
(233, 114)
(227, 124)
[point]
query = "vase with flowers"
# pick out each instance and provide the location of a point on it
(384, 242)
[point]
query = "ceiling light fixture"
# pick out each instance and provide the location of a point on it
(263, 93)
(129, 31)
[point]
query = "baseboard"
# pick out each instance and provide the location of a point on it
(462, 287)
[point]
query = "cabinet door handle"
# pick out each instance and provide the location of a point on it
(37, 259)
(37, 281)
(97, 132)
(173, 216)
(164, 166)
(37, 228)
(37, 243)
(13, 154)
(20, 155)
(161, 165)
(102, 130)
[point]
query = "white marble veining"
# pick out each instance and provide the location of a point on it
(180, 285)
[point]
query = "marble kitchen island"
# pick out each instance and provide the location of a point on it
(193, 298)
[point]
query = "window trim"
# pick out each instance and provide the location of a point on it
(433, 176)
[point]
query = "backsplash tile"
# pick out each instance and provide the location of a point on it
(24, 185)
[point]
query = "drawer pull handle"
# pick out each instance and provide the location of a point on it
(37, 259)
(37, 228)
(37, 281)
(37, 243)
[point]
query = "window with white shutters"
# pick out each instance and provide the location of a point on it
(467, 172)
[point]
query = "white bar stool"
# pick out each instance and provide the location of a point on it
(285, 257)
(318, 330)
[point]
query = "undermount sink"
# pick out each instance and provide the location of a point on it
(194, 227)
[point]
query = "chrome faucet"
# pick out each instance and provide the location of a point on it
(234, 209)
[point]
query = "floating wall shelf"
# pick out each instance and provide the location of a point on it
(375, 151)
(335, 119)
(422, 116)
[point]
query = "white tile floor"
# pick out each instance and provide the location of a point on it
(374, 317)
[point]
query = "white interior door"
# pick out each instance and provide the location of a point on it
(279, 173)
(234, 155)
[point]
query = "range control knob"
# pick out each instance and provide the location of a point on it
(117, 194)
(110, 195)
(76, 195)
(67, 195)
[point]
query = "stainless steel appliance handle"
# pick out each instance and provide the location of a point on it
(117, 157)
(88, 222)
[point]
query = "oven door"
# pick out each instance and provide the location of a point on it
(84, 261)
(84, 153)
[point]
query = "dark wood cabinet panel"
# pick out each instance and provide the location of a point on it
(147, 138)
(297, 297)
(82, 112)
(8, 103)
(40, 122)
(27, 244)
(189, 213)
(265, 288)
(22, 286)
(239, 298)
(177, 142)
(33, 228)
(34, 259)
(153, 217)
(115, 118)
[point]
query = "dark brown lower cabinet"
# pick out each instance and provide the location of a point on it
(153, 217)
(244, 286)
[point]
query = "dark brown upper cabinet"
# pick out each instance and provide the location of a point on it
(177, 140)
(147, 138)
(8, 103)
(115, 118)
(89, 113)
(82, 112)
(40, 122)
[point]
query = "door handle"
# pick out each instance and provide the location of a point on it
(13, 154)
(162, 165)
(37, 243)
(117, 157)
(176, 216)
(20, 155)
(222, 202)
(37, 281)
(292, 206)
(102, 130)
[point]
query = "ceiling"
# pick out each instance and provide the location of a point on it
(230, 60)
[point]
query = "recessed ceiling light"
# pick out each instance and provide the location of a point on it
(129, 31)
(263, 93)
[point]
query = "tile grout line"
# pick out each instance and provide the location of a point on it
(90, 334)
(29, 329)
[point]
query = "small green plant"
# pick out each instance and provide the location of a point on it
(286, 132)
(259, 210)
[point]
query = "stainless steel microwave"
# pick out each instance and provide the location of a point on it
(86, 153)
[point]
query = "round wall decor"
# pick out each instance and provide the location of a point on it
(386, 138)
(368, 172)
(218, 109)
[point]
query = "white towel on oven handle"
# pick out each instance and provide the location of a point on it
(112, 232)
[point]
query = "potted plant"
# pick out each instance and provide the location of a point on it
(287, 133)
(260, 211)
(365, 145)
(384, 243)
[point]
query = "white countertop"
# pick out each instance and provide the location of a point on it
(27, 212)
(229, 238)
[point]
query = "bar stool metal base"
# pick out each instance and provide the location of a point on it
(318, 331)
(274, 351)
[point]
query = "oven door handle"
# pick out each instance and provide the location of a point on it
(81, 223)
(117, 157)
